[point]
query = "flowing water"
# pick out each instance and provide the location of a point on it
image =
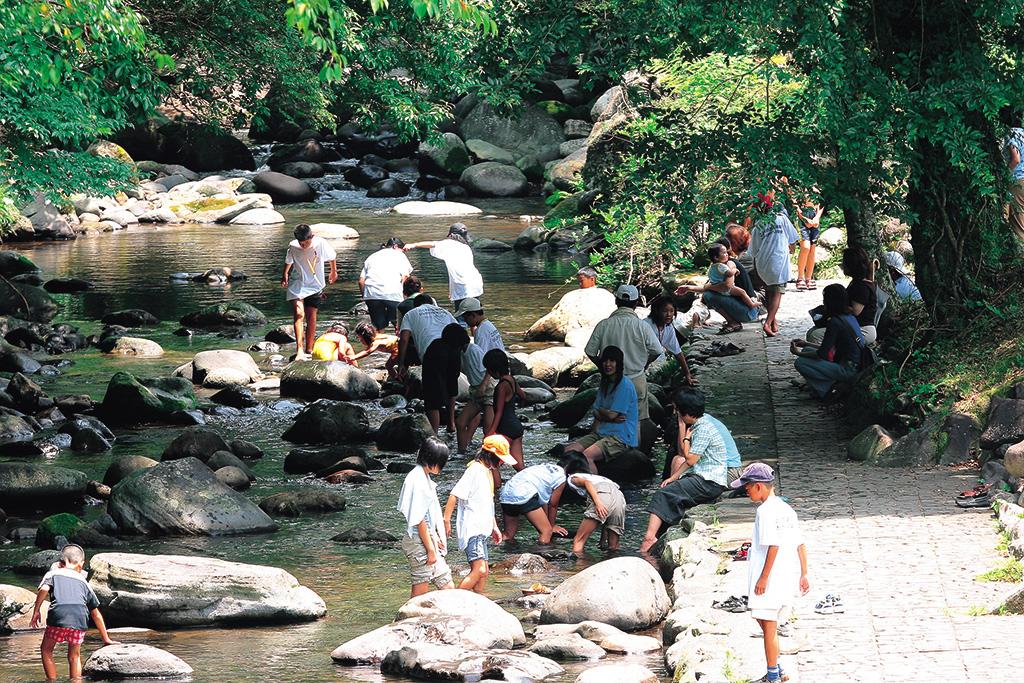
(362, 586)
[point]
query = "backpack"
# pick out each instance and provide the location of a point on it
(867, 354)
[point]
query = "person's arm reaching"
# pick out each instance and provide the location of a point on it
(333, 277)
(419, 245)
(101, 626)
(37, 609)
(449, 508)
(552, 510)
(403, 348)
(284, 277)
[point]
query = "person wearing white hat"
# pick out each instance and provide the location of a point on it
(637, 340)
(485, 334)
(905, 287)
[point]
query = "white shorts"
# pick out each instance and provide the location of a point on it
(777, 614)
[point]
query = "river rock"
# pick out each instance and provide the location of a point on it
(15, 361)
(331, 232)
(245, 450)
(40, 486)
(136, 347)
(485, 151)
(565, 173)
(1005, 423)
(620, 673)
(404, 433)
(573, 409)
(36, 565)
(555, 365)
(260, 216)
(131, 317)
(569, 646)
(175, 591)
(306, 460)
(24, 600)
(365, 175)
(446, 156)
(282, 188)
(387, 188)
(625, 592)
(361, 536)
(236, 396)
(88, 434)
(125, 466)
(205, 363)
(327, 421)
(70, 528)
(298, 503)
(348, 477)
(523, 564)
(67, 285)
(421, 208)
(580, 308)
(183, 497)
(15, 296)
(869, 443)
(629, 467)
(527, 131)
(131, 400)
(399, 467)
(450, 662)
(492, 179)
(327, 379)
(228, 459)
(464, 603)
(195, 442)
(611, 639)
(233, 478)
(13, 263)
(134, 660)
(302, 169)
(487, 244)
(231, 314)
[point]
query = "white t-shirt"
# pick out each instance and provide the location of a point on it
(473, 364)
(487, 337)
(307, 274)
(775, 524)
(769, 245)
(464, 279)
(382, 273)
(426, 323)
(475, 492)
(417, 501)
(667, 337)
(539, 480)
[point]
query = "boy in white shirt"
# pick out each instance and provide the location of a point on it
(305, 260)
(474, 495)
(777, 561)
(423, 542)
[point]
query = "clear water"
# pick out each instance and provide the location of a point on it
(363, 587)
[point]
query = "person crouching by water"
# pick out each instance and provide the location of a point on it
(378, 341)
(381, 282)
(333, 344)
(424, 540)
(304, 263)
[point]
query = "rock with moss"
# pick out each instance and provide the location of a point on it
(27, 302)
(447, 155)
(526, 131)
(869, 443)
(328, 379)
(327, 421)
(298, 503)
(72, 529)
(231, 314)
(13, 264)
(40, 486)
(131, 400)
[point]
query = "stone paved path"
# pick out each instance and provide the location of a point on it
(889, 541)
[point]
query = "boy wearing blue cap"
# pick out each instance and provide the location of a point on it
(777, 561)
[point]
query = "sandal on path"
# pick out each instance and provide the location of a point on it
(800, 285)
(831, 604)
(812, 284)
(732, 604)
(982, 501)
(741, 553)
(730, 328)
(979, 490)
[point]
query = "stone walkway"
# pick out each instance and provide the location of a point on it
(889, 541)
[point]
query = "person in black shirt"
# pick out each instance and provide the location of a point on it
(861, 294)
(838, 357)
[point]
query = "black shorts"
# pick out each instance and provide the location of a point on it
(313, 300)
(441, 367)
(382, 313)
(521, 509)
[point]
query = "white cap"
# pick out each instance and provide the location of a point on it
(468, 305)
(627, 293)
(896, 261)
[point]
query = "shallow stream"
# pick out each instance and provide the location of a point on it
(362, 586)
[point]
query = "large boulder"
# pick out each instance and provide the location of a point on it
(183, 497)
(450, 662)
(136, 347)
(485, 151)
(174, 591)
(403, 432)
(25, 486)
(621, 672)
(20, 602)
(195, 442)
(307, 460)
(130, 317)
(529, 131)
(283, 189)
(262, 216)
(446, 156)
(557, 365)
(199, 146)
(206, 362)
(567, 646)
(869, 443)
(134, 660)
(390, 187)
(122, 467)
(13, 264)
(439, 208)
(327, 421)
(493, 179)
(131, 400)
(580, 308)
(298, 503)
(27, 302)
(328, 379)
(15, 430)
(1005, 423)
(626, 592)
(565, 174)
(231, 314)
(573, 409)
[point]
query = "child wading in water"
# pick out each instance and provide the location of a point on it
(533, 493)
(777, 562)
(423, 543)
(476, 523)
(375, 340)
(72, 602)
(606, 506)
(507, 395)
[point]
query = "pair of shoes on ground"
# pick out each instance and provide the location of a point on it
(741, 553)
(732, 604)
(830, 604)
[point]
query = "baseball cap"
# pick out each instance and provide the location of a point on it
(468, 305)
(896, 261)
(627, 293)
(458, 229)
(497, 445)
(757, 473)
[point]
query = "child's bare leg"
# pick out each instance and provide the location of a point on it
(603, 543)
(310, 328)
(299, 322)
(613, 540)
(771, 642)
(516, 450)
(511, 527)
(651, 537)
(420, 588)
(742, 295)
(587, 527)
(811, 259)
(539, 519)
(46, 651)
(75, 661)
(477, 578)
(466, 424)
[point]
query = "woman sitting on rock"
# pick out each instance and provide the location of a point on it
(616, 423)
(838, 358)
(663, 313)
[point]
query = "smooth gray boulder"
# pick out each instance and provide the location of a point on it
(327, 421)
(230, 314)
(298, 503)
(569, 646)
(493, 179)
(530, 130)
(21, 601)
(40, 486)
(450, 662)
(183, 497)
(1005, 423)
(122, 467)
(134, 660)
(335, 379)
(579, 308)
(623, 672)
(404, 433)
(447, 155)
(195, 442)
(626, 592)
(176, 591)
(206, 362)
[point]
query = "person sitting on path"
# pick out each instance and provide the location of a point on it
(616, 423)
(660, 319)
(771, 242)
(533, 493)
(606, 506)
(377, 341)
(586, 277)
(380, 283)
(479, 409)
(676, 463)
(464, 279)
(304, 264)
(839, 356)
(905, 287)
(861, 294)
(333, 344)
(635, 339)
(424, 542)
(485, 334)
(731, 301)
(425, 326)
(507, 394)
(700, 479)
(411, 288)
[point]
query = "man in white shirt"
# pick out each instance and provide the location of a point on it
(485, 334)
(637, 340)
(305, 261)
(464, 279)
(384, 273)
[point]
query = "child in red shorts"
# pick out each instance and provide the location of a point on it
(72, 602)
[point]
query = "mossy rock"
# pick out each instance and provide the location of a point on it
(560, 110)
(231, 314)
(129, 400)
(210, 204)
(62, 524)
(12, 263)
(110, 150)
